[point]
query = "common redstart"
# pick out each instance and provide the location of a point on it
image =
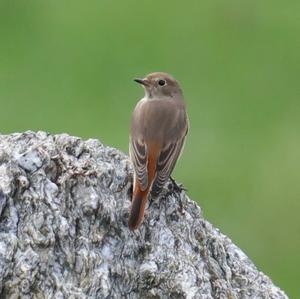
(159, 126)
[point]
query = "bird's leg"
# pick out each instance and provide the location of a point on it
(177, 187)
(150, 200)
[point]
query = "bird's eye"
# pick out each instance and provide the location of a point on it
(161, 82)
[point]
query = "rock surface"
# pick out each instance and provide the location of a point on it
(64, 204)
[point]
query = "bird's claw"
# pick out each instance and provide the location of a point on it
(177, 187)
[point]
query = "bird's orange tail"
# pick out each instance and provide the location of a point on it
(139, 200)
(139, 197)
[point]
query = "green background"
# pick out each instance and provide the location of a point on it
(67, 66)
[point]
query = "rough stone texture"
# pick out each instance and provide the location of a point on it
(64, 204)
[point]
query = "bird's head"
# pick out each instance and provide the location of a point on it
(158, 85)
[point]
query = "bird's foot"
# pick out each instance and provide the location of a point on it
(177, 187)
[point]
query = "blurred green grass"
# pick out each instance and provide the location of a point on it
(68, 67)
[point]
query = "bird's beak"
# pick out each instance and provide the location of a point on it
(142, 81)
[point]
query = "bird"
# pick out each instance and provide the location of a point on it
(159, 126)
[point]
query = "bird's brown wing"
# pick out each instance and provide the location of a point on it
(166, 164)
(139, 157)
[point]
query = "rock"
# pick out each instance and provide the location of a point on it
(64, 204)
